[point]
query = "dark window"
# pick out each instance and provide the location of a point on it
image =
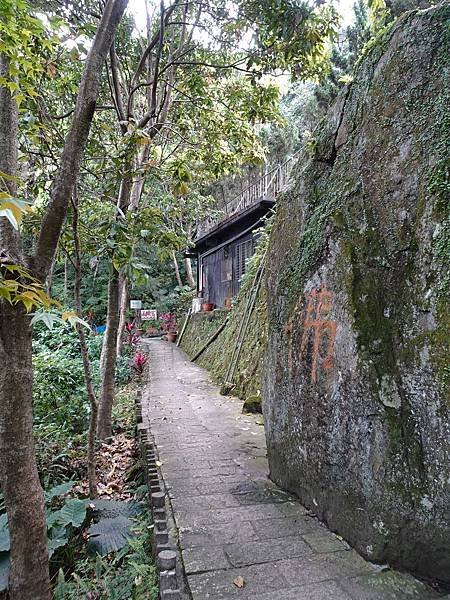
(227, 269)
(242, 253)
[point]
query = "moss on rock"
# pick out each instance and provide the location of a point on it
(356, 394)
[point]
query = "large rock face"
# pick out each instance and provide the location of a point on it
(356, 395)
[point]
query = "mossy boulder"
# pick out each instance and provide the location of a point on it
(356, 384)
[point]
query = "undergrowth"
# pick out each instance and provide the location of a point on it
(129, 574)
(60, 404)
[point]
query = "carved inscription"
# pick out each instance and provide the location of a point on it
(318, 332)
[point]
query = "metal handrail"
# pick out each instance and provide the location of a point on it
(266, 186)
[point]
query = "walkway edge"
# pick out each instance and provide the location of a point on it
(165, 540)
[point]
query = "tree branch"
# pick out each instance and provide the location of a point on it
(116, 84)
(155, 39)
(76, 140)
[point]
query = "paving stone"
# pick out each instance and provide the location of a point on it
(215, 485)
(206, 502)
(322, 567)
(326, 590)
(196, 560)
(285, 527)
(204, 473)
(325, 541)
(182, 488)
(263, 496)
(213, 535)
(292, 509)
(250, 553)
(226, 515)
(218, 585)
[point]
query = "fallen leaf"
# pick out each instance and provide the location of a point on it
(239, 581)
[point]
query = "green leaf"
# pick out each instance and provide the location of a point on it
(59, 538)
(49, 319)
(109, 535)
(109, 509)
(4, 571)
(74, 320)
(73, 512)
(58, 490)
(114, 526)
(60, 589)
(7, 212)
(4, 534)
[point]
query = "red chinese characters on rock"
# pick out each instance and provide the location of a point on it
(319, 332)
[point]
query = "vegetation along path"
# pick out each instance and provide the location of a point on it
(240, 536)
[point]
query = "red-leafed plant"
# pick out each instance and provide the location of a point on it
(139, 361)
(132, 338)
(169, 321)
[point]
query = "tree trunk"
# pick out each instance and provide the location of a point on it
(49, 282)
(103, 352)
(29, 577)
(189, 274)
(76, 140)
(109, 349)
(123, 293)
(92, 477)
(104, 423)
(177, 270)
(19, 480)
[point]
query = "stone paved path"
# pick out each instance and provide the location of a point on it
(231, 520)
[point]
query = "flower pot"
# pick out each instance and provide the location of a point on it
(172, 336)
(207, 306)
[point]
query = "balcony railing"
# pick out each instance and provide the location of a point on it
(265, 188)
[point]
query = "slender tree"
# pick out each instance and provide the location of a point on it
(87, 368)
(29, 577)
(163, 93)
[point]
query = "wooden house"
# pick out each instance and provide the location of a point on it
(224, 244)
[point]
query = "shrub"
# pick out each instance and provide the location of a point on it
(60, 403)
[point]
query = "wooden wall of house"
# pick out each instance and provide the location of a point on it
(223, 268)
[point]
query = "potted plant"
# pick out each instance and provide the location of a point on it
(169, 326)
(152, 328)
(207, 306)
(172, 336)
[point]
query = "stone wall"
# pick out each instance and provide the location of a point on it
(355, 395)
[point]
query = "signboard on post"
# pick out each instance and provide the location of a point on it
(149, 315)
(136, 304)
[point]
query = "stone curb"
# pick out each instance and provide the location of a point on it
(163, 546)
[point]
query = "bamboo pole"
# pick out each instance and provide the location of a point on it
(211, 339)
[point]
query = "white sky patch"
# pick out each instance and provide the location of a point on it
(137, 9)
(345, 7)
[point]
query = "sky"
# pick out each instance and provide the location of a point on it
(345, 7)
